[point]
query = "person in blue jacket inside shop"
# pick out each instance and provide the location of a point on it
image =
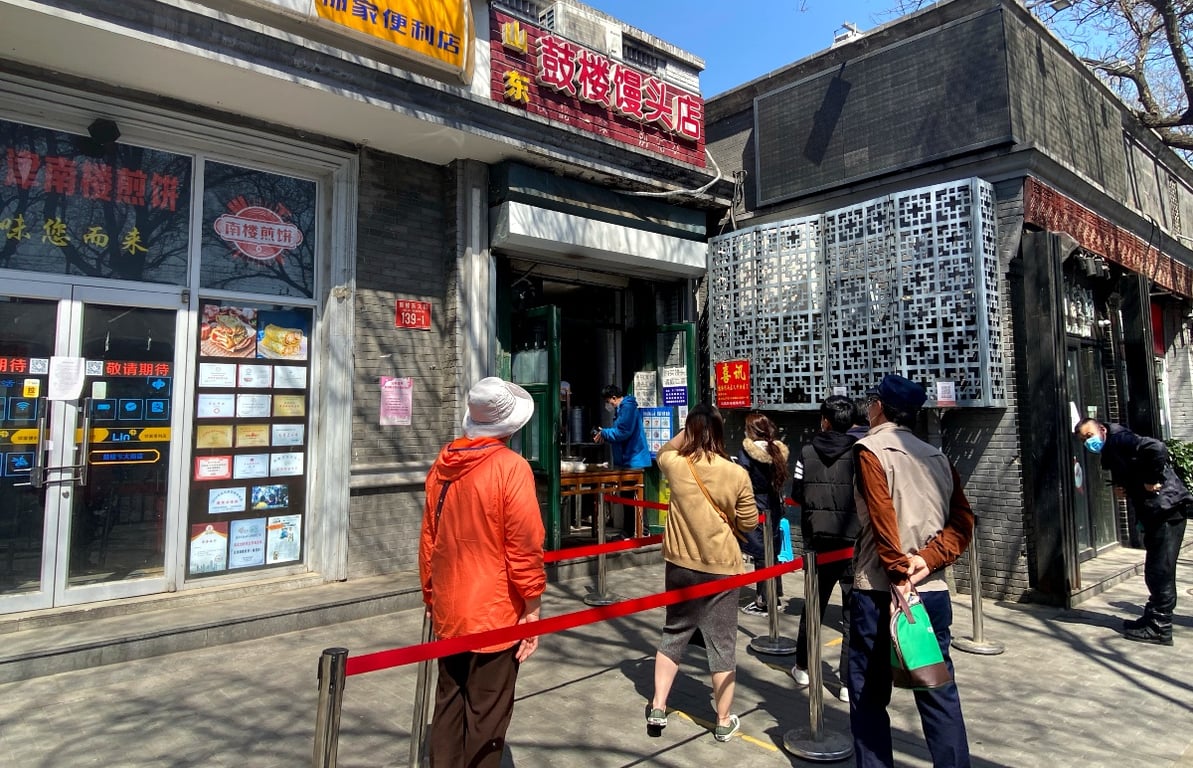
(626, 436)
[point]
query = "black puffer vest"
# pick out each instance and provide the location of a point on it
(829, 517)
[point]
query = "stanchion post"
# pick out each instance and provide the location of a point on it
(774, 643)
(978, 643)
(422, 690)
(813, 743)
(332, 664)
(600, 596)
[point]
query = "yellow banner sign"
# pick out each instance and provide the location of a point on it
(137, 434)
(19, 436)
(438, 29)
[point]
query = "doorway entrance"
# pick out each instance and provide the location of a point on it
(88, 409)
(1093, 503)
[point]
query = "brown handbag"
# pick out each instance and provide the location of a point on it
(733, 528)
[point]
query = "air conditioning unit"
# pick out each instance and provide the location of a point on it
(587, 29)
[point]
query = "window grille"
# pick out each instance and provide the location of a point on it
(902, 284)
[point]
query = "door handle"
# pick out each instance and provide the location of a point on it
(85, 445)
(37, 473)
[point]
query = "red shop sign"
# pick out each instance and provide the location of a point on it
(733, 383)
(413, 314)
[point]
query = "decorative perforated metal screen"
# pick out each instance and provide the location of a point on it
(905, 284)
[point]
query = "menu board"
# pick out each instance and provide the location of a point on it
(249, 463)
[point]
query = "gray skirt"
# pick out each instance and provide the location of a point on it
(715, 616)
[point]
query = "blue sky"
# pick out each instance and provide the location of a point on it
(740, 40)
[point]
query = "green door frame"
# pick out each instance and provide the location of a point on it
(544, 457)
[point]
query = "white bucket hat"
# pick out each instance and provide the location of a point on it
(496, 408)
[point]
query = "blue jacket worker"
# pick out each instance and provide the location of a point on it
(626, 436)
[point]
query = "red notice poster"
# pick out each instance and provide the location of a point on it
(733, 383)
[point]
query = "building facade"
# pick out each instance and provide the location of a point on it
(956, 198)
(253, 252)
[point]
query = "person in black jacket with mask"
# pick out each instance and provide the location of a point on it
(823, 487)
(1140, 466)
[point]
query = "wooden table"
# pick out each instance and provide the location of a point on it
(597, 481)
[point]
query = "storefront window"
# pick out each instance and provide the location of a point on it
(248, 498)
(258, 232)
(76, 205)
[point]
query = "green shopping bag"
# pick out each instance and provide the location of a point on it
(916, 661)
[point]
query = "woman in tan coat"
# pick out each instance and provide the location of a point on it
(712, 505)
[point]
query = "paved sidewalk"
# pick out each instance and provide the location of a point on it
(1069, 691)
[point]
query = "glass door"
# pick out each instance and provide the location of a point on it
(1094, 511)
(27, 534)
(88, 455)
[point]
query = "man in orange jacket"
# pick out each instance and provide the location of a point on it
(481, 564)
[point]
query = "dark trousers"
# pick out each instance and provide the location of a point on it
(754, 546)
(870, 685)
(1162, 543)
(840, 572)
(474, 701)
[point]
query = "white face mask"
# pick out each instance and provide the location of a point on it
(610, 408)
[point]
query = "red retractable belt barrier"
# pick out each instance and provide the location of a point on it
(396, 657)
(571, 553)
(634, 502)
(589, 550)
(371, 662)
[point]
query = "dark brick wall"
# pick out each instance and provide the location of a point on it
(1058, 107)
(983, 443)
(405, 250)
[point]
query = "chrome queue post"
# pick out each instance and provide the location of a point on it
(422, 695)
(774, 643)
(601, 596)
(813, 743)
(977, 643)
(332, 664)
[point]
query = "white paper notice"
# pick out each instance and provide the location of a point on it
(215, 406)
(66, 378)
(645, 389)
(217, 375)
(946, 394)
(285, 464)
(253, 406)
(397, 396)
(841, 391)
(675, 377)
(284, 538)
(290, 377)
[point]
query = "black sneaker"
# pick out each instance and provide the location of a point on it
(1142, 621)
(1149, 634)
(754, 609)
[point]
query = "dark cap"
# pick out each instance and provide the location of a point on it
(900, 393)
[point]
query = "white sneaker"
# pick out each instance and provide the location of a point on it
(843, 694)
(800, 676)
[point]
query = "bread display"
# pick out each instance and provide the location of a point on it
(284, 342)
